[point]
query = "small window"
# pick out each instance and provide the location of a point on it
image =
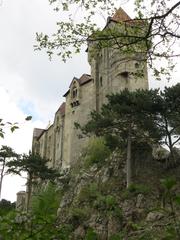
(136, 65)
(124, 74)
(74, 92)
(101, 81)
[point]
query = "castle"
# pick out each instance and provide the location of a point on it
(111, 72)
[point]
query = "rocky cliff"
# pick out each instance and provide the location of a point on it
(96, 204)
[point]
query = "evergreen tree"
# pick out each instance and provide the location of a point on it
(36, 168)
(126, 118)
(6, 155)
(167, 117)
(147, 116)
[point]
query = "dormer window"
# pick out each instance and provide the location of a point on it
(74, 95)
(74, 92)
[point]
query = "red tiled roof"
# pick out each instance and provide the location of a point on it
(84, 79)
(37, 132)
(120, 16)
(61, 109)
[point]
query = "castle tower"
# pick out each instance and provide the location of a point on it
(116, 64)
(113, 66)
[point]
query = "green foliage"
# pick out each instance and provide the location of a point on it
(118, 236)
(79, 215)
(88, 193)
(46, 203)
(40, 223)
(34, 165)
(96, 152)
(10, 125)
(5, 207)
(105, 202)
(91, 235)
(177, 199)
(92, 196)
(65, 232)
(168, 183)
(139, 37)
(36, 168)
(112, 141)
(28, 118)
(7, 154)
(135, 189)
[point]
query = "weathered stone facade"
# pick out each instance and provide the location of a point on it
(111, 72)
(21, 200)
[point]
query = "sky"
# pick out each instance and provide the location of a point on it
(31, 84)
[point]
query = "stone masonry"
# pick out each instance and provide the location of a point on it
(111, 72)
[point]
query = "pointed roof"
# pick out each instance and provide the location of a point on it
(85, 78)
(120, 16)
(61, 109)
(37, 132)
(74, 79)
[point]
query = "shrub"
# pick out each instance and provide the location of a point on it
(79, 215)
(135, 189)
(88, 193)
(46, 202)
(6, 207)
(91, 235)
(105, 202)
(96, 152)
(117, 236)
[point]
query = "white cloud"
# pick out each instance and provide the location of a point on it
(20, 140)
(29, 82)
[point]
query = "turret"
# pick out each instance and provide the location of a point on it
(113, 66)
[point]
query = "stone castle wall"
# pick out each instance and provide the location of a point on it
(111, 72)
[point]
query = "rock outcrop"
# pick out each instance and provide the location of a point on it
(96, 203)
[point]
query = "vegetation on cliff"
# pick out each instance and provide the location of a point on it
(91, 200)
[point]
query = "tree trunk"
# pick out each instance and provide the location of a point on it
(1, 176)
(29, 191)
(128, 160)
(172, 158)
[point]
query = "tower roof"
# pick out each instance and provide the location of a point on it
(120, 16)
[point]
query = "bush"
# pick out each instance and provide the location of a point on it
(79, 215)
(135, 189)
(105, 202)
(117, 236)
(88, 193)
(6, 206)
(46, 202)
(39, 223)
(96, 152)
(91, 235)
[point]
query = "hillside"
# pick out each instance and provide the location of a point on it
(97, 204)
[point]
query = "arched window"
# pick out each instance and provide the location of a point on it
(74, 92)
(74, 95)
